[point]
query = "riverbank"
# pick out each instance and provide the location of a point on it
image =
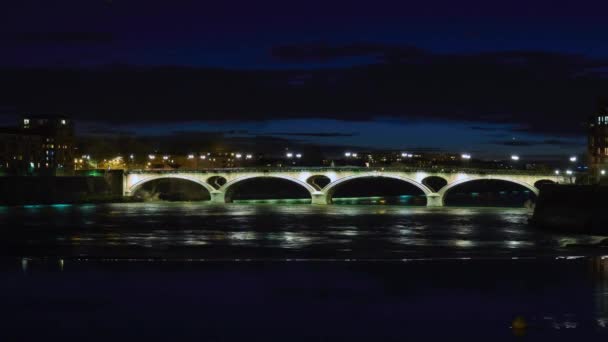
(103, 187)
(572, 209)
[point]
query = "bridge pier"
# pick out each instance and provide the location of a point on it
(434, 200)
(218, 197)
(319, 197)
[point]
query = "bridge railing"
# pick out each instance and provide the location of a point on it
(429, 170)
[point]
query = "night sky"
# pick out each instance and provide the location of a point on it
(474, 76)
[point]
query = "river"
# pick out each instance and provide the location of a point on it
(196, 271)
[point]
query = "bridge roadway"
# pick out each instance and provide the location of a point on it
(221, 182)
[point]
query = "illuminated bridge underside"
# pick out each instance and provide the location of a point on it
(134, 179)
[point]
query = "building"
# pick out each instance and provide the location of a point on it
(597, 142)
(38, 145)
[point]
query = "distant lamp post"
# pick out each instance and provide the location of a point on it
(299, 155)
(354, 155)
(191, 156)
(249, 156)
(569, 172)
(557, 172)
(203, 157)
(238, 156)
(131, 157)
(603, 172)
(165, 157)
(573, 159)
(347, 154)
(289, 155)
(151, 156)
(465, 156)
(515, 157)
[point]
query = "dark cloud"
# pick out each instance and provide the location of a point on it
(323, 52)
(57, 38)
(536, 92)
(516, 143)
(487, 129)
(529, 143)
(311, 134)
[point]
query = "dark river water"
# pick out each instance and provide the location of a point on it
(291, 272)
(273, 231)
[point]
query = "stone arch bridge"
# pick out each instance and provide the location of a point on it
(220, 182)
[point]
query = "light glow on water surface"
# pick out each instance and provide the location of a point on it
(199, 229)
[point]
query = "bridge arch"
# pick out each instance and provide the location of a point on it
(444, 192)
(137, 186)
(228, 188)
(318, 181)
(542, 182)
(216, 181)
(330, 188)
(435, 183)
(447, 188)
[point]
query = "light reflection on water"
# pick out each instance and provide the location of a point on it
(274, 230)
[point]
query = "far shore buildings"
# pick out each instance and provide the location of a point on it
(37, 145)
(597, 143)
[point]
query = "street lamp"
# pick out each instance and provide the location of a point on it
(603, 172)
(299, 155)
(151, 156)
(191, 156)
(289, 155)
(465, 156)
(238, 156)
(573, 159)
(568, 172)
(557, 172)
(347, 154)
(249, 156)
(515, 157)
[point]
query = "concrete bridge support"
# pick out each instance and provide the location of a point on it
(319, 197)
(434, 200)
(218, 197)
